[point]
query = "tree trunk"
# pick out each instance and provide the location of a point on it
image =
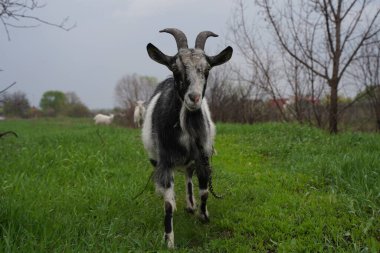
(333, 117)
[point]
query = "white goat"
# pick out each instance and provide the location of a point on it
(139, 113)
(103, 119)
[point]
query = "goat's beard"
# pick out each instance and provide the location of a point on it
(193, 107)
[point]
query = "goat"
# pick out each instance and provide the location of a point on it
(178, 130)
(103, 119)
(139, 114)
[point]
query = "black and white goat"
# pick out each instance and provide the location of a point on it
(178, 130)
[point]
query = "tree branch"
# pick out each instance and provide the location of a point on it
(7, 87)
(13, 12)
(284, 44)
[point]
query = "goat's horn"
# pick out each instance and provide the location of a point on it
(179, 36)
(202, 37)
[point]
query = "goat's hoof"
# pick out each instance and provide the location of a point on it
(204, 218)
(169, 240)
(170, 244)
(190, 210)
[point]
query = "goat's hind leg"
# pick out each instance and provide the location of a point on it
(165, 185)
(191, 206)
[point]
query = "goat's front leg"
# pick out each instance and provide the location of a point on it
(190, 200)
(165, 185)
(203, 173)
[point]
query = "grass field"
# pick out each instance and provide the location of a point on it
(67, 186)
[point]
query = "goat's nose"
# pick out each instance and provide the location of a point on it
(194, 97)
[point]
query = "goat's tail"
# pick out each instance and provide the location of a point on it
(211, 188)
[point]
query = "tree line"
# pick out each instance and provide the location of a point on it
(232, 100)
(298, 61)
(53, 103)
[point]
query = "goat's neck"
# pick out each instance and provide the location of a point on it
(190, 120)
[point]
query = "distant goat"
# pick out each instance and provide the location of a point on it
(103, 119)
(178, 130)
(139, 114)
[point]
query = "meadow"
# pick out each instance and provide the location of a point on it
(69, 186)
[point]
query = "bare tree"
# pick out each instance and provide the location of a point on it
(7, 88)
(16, 104)
(220, 95)
(131, 88)
(74, 107)
(232, 99)
(306, 91)
(366, 72)
(324, 36)
(261, 69)
(72, 98)
(19, 14)
(270, 71)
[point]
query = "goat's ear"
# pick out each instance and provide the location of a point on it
(156, 55)
(220, 58)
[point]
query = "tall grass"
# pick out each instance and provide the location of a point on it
(68, 186)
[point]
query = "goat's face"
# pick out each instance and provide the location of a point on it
(190, 71)
(139, 103)
(190, 67)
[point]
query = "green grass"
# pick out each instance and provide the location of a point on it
(67, 186)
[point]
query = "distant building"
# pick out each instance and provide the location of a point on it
(278, 102)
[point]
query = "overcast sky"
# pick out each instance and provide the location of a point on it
(109, 41)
